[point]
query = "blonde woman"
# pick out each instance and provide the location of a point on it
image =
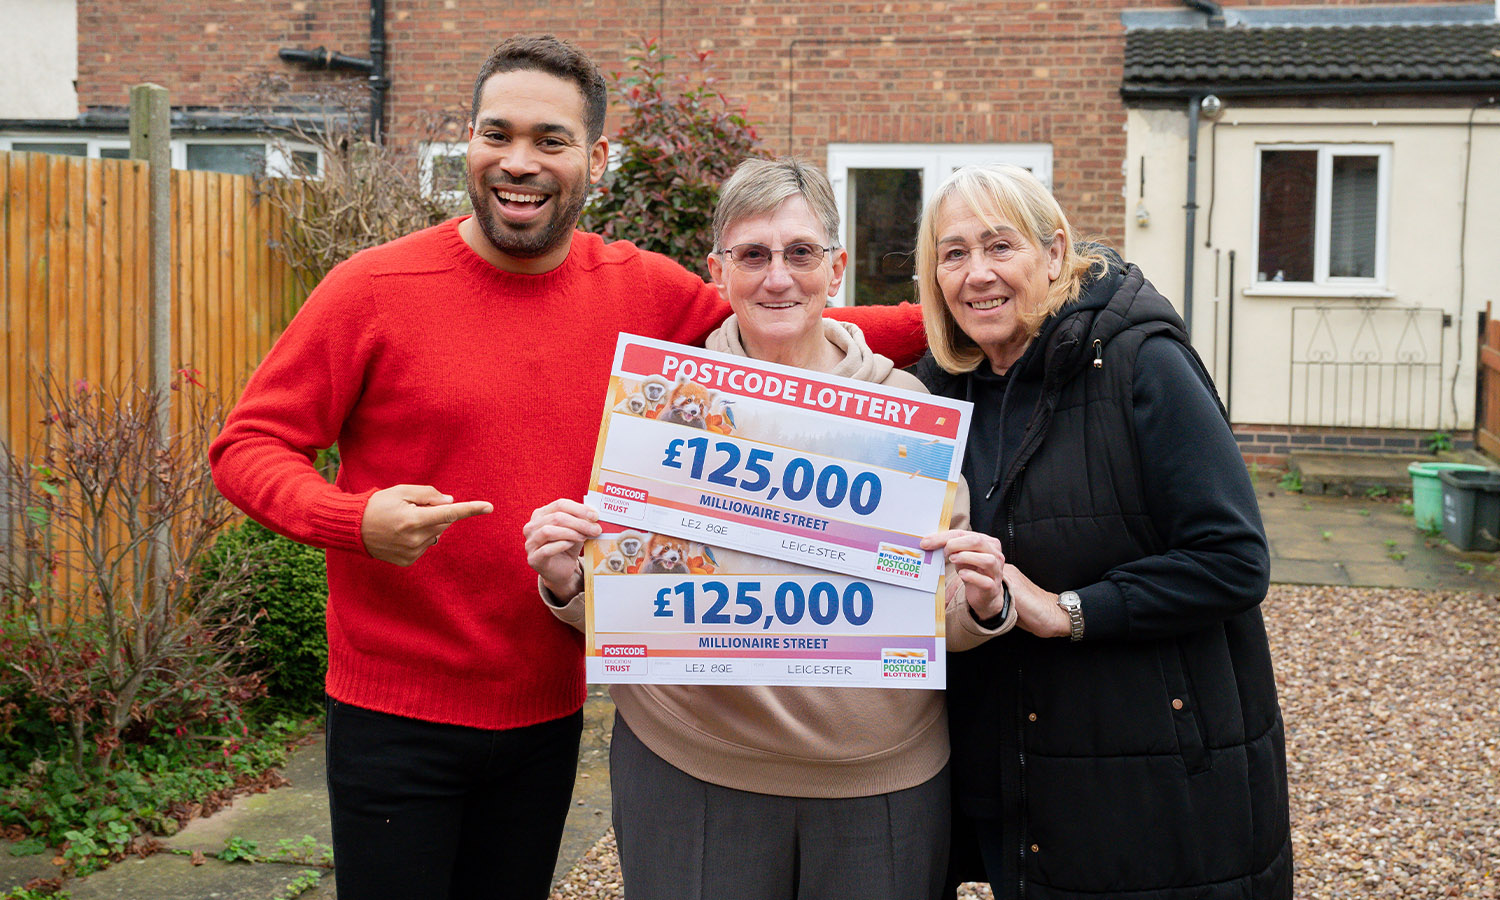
(1125, 739)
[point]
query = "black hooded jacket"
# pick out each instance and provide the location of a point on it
(1146, 760)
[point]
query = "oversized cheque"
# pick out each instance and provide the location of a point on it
(763, 524)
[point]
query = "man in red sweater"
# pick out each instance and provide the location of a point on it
(461, 370)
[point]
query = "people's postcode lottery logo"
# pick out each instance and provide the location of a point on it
(894, 560)
(896, 663)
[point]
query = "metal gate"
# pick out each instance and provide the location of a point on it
(1366, 366)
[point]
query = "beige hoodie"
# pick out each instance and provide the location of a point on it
(801, 741)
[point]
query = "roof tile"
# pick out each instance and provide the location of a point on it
(1321, 54)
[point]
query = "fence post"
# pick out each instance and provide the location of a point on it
(151, 140)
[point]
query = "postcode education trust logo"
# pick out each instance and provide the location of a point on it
(623, 651)
(622, 501)
(893, 560)
(898, 663)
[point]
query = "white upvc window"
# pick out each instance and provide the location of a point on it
(248, 155)
(881, 189)
(67, 144)
(235, 154)
(1322, 213)
(445, 170)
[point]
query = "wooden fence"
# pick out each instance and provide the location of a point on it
(1487, 430)
(75, 279)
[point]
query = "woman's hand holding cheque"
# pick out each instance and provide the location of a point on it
(979, 564)
(554, 541)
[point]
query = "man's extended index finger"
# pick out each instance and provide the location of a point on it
(452, 512)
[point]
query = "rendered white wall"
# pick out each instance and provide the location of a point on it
(1429, 151)
(39, 44)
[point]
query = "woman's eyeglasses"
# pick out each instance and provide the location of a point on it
(800, 257)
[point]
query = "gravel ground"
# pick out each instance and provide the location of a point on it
(1392, 705)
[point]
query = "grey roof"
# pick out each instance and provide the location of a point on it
(1363, 55)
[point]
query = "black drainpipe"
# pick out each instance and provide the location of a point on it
(374, 66)
(379, 84)
(1195, 103)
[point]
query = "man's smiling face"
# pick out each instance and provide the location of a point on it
(530, 167)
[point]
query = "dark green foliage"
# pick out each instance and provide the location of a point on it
(152, 786)
(290, 644)
(676, 147)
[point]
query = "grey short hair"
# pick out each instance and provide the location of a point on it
(759, 186)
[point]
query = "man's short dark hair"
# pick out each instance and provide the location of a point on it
(555, 56)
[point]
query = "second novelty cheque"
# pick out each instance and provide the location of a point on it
(762, 524)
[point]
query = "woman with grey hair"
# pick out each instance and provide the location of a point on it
(1125, 740)
(779, 792)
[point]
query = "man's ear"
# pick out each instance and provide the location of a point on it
(598, 159)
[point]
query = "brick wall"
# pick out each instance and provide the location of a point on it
(206, 51)
(1269, 445)
(923, 71)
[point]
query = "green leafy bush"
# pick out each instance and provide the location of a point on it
(289, 642)
(153, 786)
(679, 142)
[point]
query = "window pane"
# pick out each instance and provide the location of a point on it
(236, 159)
(885, 204)
(1288, 213)
(305, 162)
(449, 173)
(114, 152)
(1351, 220)
(56, 147)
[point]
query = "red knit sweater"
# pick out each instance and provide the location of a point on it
(429, 366)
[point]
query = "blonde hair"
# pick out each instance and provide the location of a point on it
(996, 193)
(760, 186)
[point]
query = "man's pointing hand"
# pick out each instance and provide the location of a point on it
(401, 522)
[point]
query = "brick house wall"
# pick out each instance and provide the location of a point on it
(921, 71)
(1271, 445)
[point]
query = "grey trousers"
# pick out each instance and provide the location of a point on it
(685, 839)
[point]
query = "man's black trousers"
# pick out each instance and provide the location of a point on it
(427, 810)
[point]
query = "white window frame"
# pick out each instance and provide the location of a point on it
(430, 151)
(92, 143)
(1323, 284)
(936, 161)
(278, 150)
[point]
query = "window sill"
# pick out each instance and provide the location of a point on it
(1318, 291)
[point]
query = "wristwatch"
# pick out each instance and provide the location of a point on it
(1071, 605)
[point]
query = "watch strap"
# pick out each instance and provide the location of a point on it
(1072, 604)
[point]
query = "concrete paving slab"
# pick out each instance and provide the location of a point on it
(15, 871)
(1351, 473)
(1418, 578)
(1362, 541)
(1305, 571)
(167, 876)
(288, 813)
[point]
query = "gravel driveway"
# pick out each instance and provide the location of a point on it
(1392, 705)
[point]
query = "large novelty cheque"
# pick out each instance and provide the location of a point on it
(762, 525)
